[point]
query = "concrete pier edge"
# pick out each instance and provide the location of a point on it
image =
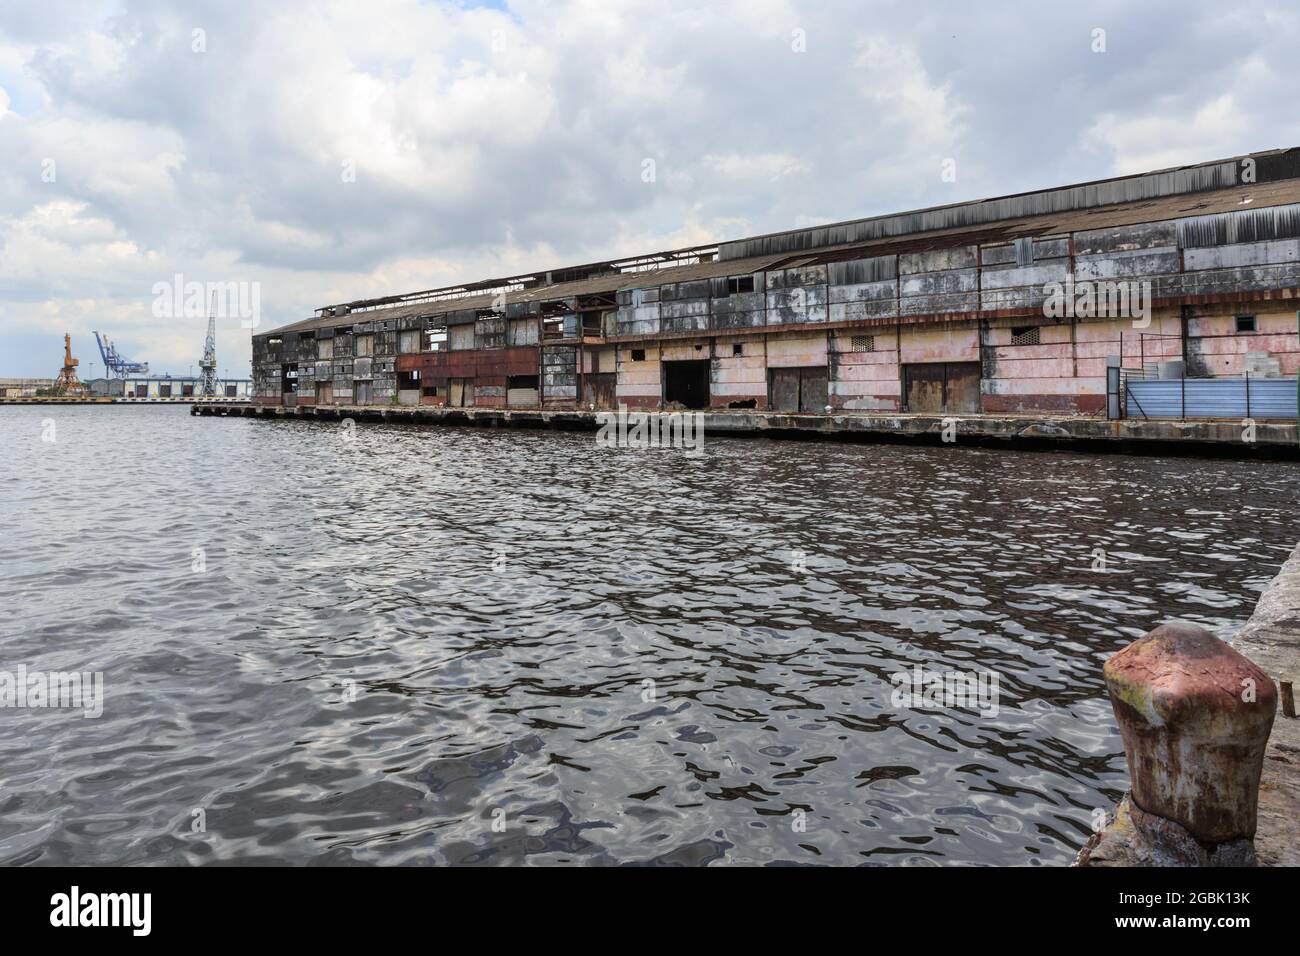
(1155, 436)
(1271, 638)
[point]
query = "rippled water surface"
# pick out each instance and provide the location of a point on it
(476, 646)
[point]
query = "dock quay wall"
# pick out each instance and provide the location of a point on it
(1273, 440)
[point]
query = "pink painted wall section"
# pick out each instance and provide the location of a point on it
(638, 384)
(739, 378)
(940, 345)
(692, 351)
(1215, 347)
(1158, 342)
(801, 350)
(865, 380)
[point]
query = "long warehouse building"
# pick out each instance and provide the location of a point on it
(954, 309)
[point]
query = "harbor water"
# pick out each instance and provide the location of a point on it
(327, 643)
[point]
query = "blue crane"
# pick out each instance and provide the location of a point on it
(116, 365)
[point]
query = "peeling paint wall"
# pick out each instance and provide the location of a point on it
(864, 370)
(1216, 348)
(639, 383)
(739, 379)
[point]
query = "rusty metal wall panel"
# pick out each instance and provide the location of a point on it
(923, 387)
(962, 387)
(460, 337)
(783, 389)
(1246, 225)
(812, 390)
(942, 387)
(560, 373)
(490, 332)
(598, 389)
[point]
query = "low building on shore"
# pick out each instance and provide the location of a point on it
(25, 387)
(167, 388)
(1041, 302)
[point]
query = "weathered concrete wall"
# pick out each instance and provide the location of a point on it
(639, 382)
(865, 371)
(953, 344)
(1215, 347)
(739, 378)
(1271, 638)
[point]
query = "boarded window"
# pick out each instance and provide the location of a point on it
(862, 343)
(1025, 335)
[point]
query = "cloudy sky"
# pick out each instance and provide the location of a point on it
(334, 150)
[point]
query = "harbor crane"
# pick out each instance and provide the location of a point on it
(117, 365)
(67, 383)
(208, 364)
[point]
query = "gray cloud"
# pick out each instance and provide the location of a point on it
(487, 141)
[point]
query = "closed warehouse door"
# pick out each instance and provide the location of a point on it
(942, 387)
(797, 389)
(812, 390)
(598, 390)
(324, 393)
(365, 392)
(462, 392)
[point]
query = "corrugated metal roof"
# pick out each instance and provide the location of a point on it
(1059, 222)
(564, 290)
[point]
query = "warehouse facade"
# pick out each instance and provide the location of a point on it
(953, 309)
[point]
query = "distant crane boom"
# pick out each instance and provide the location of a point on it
(117, 365)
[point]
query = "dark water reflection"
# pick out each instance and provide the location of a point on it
(401, 640)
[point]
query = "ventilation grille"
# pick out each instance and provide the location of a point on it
(862, 343)
(1025, 336)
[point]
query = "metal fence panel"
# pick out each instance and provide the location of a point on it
(1212, 398)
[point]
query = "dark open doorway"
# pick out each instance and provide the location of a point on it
(687, 383)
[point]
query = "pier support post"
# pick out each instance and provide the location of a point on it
(1195, 718)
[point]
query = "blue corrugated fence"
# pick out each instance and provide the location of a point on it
(1212, 398)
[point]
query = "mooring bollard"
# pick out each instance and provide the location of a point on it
(1195, 717)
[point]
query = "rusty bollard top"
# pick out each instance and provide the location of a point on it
(1195, 718)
